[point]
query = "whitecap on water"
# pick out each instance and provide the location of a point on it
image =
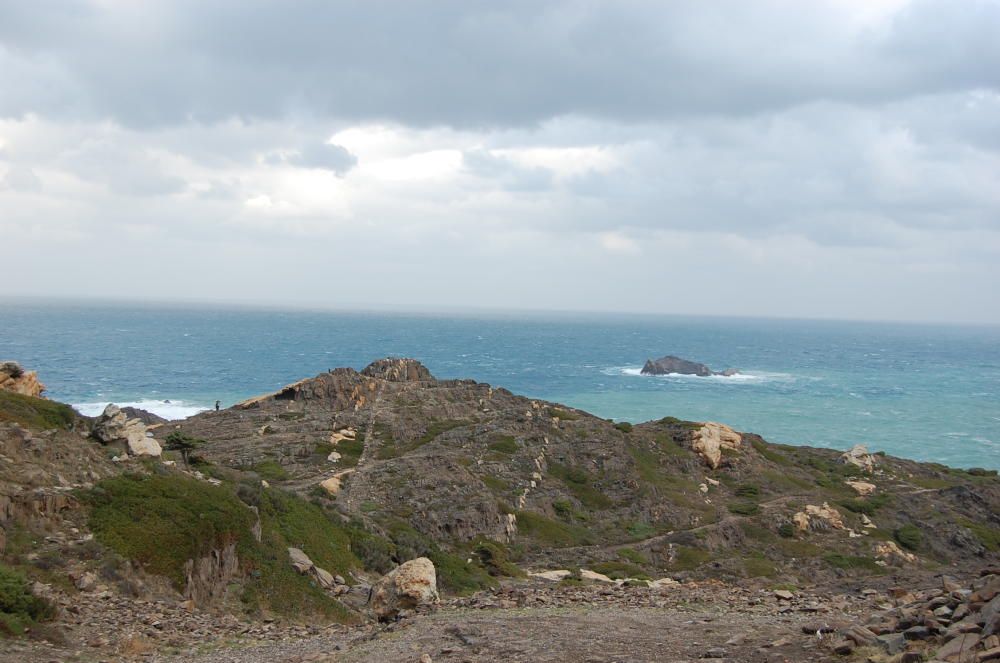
(725, 379)
(168, 409)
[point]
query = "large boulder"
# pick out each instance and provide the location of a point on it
(114, 425)
(16, 379)
(859, 457)
(709, 441)
(411, 585)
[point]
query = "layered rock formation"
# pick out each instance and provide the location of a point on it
(16, 379)
(114, 426)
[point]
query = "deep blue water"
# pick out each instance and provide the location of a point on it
(924, 392)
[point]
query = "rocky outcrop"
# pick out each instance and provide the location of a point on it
(208, 577)
(710, 440)
(305, 566)
(859, 457)
(675, 365)
(16, 379)
(398, 370)
(818, 518)
(113, 425)
(411, 585)
(890, 553)
(144, 416)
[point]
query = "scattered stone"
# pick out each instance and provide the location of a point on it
(411, 585)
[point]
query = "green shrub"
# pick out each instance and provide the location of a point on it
(786, 530)
(748, 490)
(270, 470)
(851, 562)
(495, 558)
(759, 567)
(36, 413)
(743, 508)
(864, 506)
(687, 559)
(563, 415)
(909, 536)
(495, 483)
(19, 608)
(988, 536)
(581, 484)
(624, 426)
(620, 570)
(550, 531)
(505, 444)
(563, 509)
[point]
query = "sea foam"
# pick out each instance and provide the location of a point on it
(737, 378)
(168, 409)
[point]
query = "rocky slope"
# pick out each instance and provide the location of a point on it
(290, 506)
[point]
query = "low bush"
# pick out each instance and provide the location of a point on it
(19, 608)
(909, 536)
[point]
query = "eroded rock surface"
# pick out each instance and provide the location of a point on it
(16, 379)
(411, 585)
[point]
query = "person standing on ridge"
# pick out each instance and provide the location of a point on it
(216, 406)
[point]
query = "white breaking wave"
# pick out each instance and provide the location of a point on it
(168, 409)
(738, 378)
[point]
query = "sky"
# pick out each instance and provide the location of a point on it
(822, 159)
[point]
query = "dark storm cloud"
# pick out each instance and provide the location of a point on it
(477, 63)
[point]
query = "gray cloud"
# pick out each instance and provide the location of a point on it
(721, 151)
(476, 63)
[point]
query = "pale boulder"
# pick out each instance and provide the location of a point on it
(300, 560)
(890, 553)
(818, 517)
(711, 439)
(862, 488)
(860, 458)
(587, 574)
(411, 585)
(16, 379)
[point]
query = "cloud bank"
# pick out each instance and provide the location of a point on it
(828, 159)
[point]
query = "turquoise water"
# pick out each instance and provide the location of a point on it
(924, 392)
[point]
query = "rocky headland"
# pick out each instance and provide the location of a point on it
(671, 365)
(384, 514)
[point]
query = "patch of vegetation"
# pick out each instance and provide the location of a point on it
(581, 484)
(745, 508)
(454, 573)
(495, 558)
(634, 556)
(909, 536)
(183, 444)
(620, 570)
(505, 444)
(786, 530)
(933, 483)
(756, 532)
(674, 421)
(162, 521)
(767, 451)
(561, 414)
(782, 480)
(35, 413)
(624, 426)
(867, 506)
(669, 446)
(757, 566)
(270, 470)
(988, 536)
(981, 472)
(495, 483)
(853, 562)
(688, 559)
(19, 608)
(350, 451)
(552, 532)
(563, 509)
(798, 549)
(638, 530)
(750, 490)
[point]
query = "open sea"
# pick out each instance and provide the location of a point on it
(918, 391)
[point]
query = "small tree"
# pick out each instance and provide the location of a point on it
(178, 441)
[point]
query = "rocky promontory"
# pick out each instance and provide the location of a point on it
(383, 514)
(16, 379)
(671, 365)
